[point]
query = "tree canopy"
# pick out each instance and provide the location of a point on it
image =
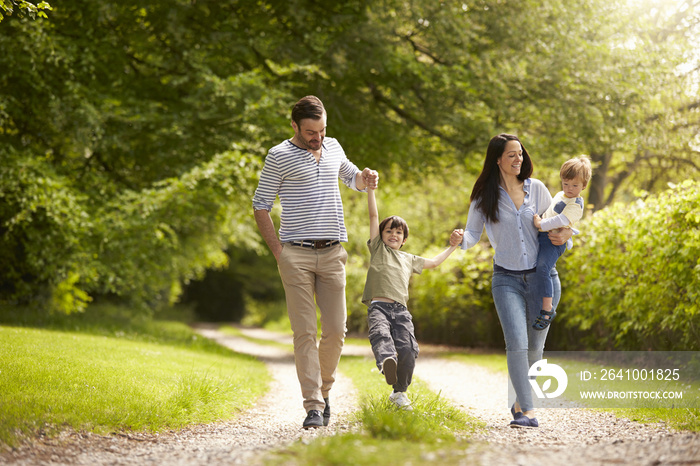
(23, 7)
(131, 133)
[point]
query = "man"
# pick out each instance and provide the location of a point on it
(303, 172)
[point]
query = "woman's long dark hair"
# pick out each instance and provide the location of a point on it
(486, 191)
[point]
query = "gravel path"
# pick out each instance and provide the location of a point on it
(569, 437)
(272, 423)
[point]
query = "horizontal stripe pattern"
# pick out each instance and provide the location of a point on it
(309, 192)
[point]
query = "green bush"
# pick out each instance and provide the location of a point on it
(633, 280)
(61, 247)
(453, 305)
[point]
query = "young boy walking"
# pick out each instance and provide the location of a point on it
(391, 331)
(565, 210)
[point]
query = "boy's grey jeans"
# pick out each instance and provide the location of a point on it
(391, 334)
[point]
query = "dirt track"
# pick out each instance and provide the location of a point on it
(569, 437)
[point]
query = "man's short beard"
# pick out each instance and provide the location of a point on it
(307, 144)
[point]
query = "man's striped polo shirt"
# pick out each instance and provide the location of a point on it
(309, 194)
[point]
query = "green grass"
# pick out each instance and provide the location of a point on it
(113, 321)
(491, 361)
(228, 330)
(357, 341)
(146, 376)
(682, 418)
(435, 431)
(682, 414)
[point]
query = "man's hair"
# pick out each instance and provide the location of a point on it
(308, 107)
(396, 222)
(578, 166)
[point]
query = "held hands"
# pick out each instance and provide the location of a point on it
(370, 178)
(456, 237)
(455, 240)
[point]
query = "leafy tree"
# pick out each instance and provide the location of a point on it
(653, 111)
(131, 133)
(119, 170)
(25, 8)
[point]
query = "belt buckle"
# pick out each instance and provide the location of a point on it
(320, 244)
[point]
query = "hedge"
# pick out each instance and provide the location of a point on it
(631, 282)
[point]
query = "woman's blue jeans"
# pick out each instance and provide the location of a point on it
(518, 305)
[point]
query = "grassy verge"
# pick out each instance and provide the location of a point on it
(491, 361)
(682, 414)
(145, 375)
(229, 330)
(434, 432)
(681, 418)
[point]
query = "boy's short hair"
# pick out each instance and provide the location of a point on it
(578, 166)
(396, 222)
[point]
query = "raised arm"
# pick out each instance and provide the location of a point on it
(373, 214)
(455, 241)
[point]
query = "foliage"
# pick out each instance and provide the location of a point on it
(136, 244)
(633, 279)
(131, 134)
(25, 8)
(120, 172)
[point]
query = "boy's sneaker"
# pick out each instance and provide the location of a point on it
(389, 370)
(401, 400)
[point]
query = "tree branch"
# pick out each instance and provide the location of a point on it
(382, 99)
(683, 108)
(421, 49)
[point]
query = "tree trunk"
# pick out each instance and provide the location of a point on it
(599, 180)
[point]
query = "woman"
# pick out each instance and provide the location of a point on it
(505, 200)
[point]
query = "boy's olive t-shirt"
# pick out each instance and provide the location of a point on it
(389, 272)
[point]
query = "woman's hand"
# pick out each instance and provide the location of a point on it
(560, 236)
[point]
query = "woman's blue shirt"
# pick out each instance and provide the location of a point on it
(514, 237)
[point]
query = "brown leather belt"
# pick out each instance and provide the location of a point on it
(315, 244)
